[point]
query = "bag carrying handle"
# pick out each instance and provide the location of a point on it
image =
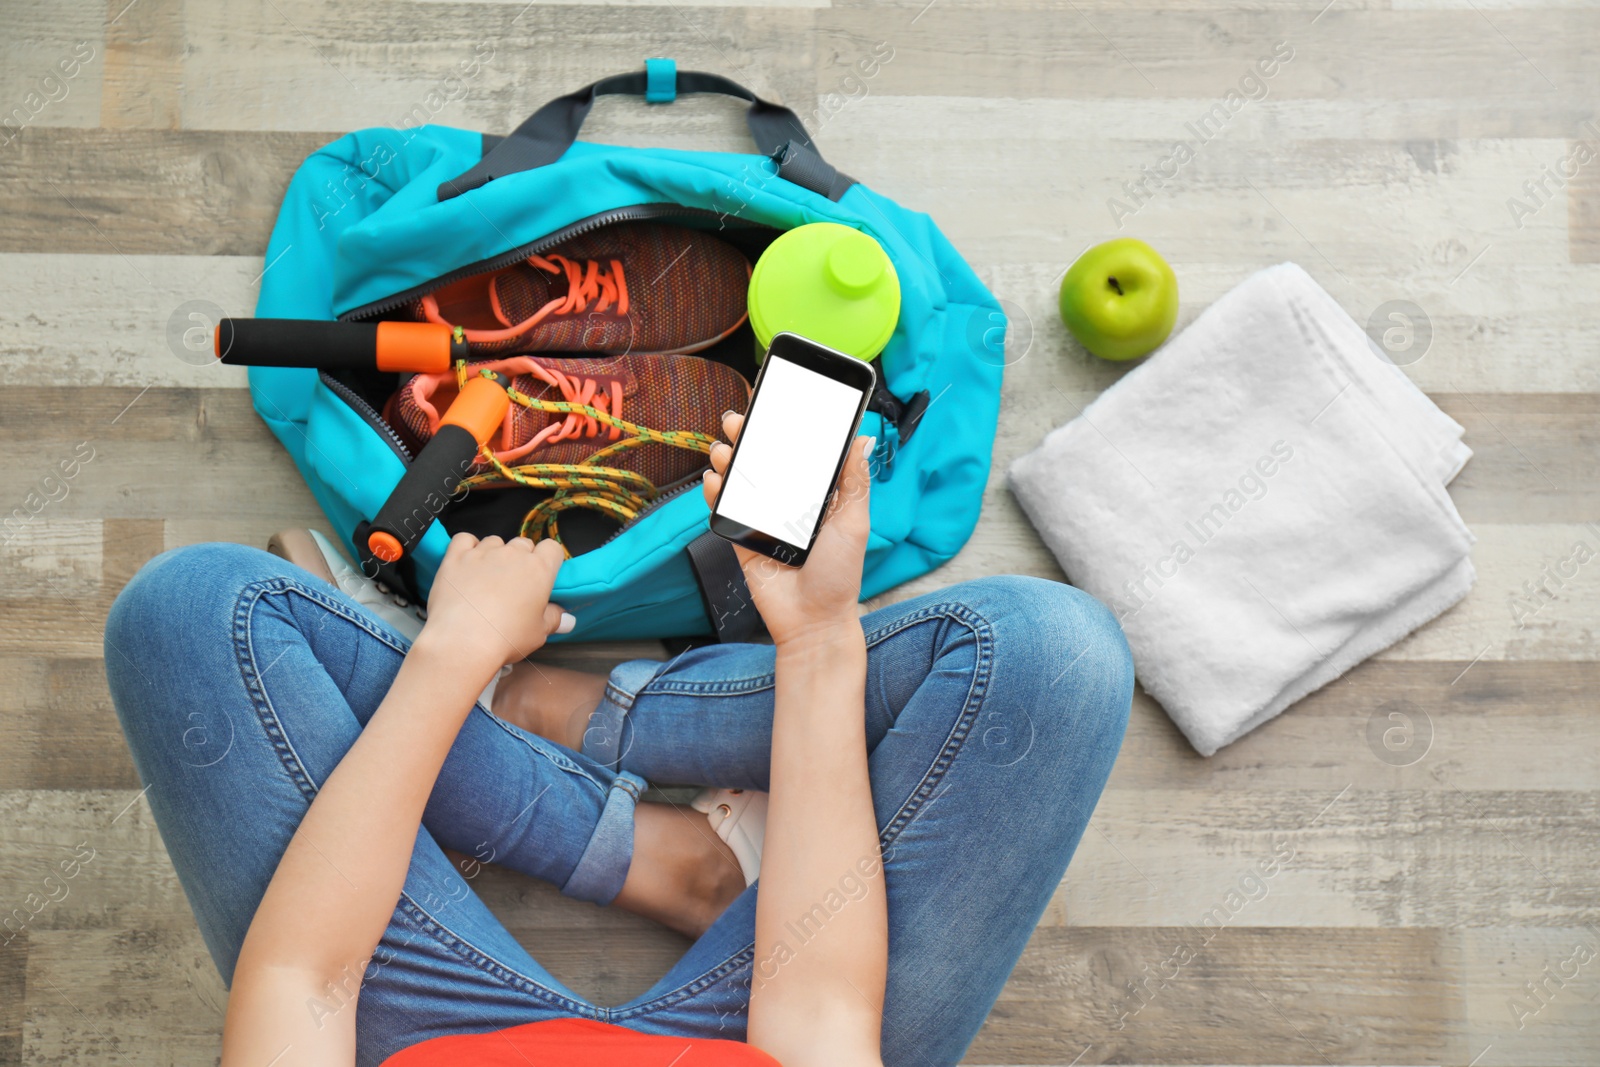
(546, 135)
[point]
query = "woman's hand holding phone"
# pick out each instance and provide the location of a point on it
(490, 603)
(825, 1003)
(812, 602)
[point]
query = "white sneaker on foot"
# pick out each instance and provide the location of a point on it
(739, 817)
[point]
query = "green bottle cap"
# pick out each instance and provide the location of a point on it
(830, 283)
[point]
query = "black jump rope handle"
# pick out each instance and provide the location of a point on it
(431, 480)
(403, 347)
(418, 347)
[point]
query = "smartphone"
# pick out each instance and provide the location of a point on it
(802, 419)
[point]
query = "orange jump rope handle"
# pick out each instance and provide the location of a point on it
(419, 347)
(428, 484)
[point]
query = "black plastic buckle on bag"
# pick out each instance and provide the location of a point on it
(906, 415)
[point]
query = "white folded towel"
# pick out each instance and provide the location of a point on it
(1261, 503)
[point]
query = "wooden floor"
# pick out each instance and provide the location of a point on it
(1439, 903)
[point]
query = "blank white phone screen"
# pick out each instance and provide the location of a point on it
(788, 450)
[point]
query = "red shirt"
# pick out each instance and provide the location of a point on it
(577, 1043)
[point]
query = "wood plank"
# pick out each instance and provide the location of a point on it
(1583, 214)
(45, 557)
(1494, 729)
(58, 729)
(1040, 208)
(151, 458)
(761, 4)
(1249, 996)
(1375, 859)
(1283, 113)
(1385, 857)
(47, 624)
(124, 880)
(111, 191)
(1429, 126)
(80, 1010)
(1035, 51)
(127, 415)
(143, 80)
(1346, 209)
(138, 329)
(1498, 324)
(1388, 725)
(1536, 585)
(1501, 325)
(13, 996)
(51, 62)
(1558, 1021)
(256, 481)
(37, 627)
(462, 64)
(1533, 456)
(1528, 466)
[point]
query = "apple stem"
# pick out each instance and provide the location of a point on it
(1115, 286)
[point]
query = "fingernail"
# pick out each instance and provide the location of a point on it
(726, 415)
(568, 622)
(872, 444)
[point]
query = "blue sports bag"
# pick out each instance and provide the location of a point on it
(382, 215)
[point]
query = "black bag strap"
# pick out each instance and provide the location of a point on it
(723, 590)
(550, 131)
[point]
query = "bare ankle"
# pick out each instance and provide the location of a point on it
(682, 874)
(553, 702)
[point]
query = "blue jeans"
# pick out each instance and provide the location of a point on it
(994, 711)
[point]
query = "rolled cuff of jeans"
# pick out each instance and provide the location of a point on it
(604, 739)
(603, 867)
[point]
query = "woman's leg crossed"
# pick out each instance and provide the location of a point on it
(241, 681)
(995, 710)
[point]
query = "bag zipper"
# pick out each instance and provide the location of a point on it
(516, 255)
(367, 414)
(671, 494)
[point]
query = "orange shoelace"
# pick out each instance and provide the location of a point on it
(584, 411)
(585, 283)
(584, 393)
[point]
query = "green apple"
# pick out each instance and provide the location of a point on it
(1120, 299)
